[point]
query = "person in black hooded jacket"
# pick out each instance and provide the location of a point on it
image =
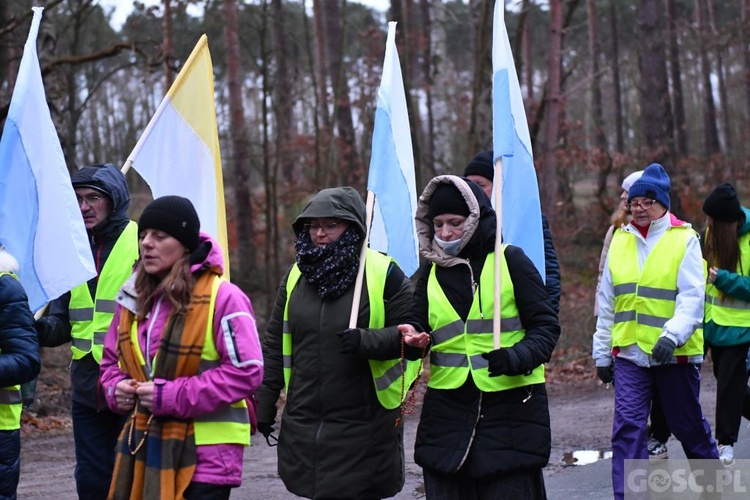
(19, 363)
(83, 316)
(484, 430)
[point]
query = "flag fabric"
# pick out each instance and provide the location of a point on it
(391, 177)
(178, 152)
(40, 220)
(521, 209)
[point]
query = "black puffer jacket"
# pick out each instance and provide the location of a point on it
(336, 440)
(19, 362)
(54, 329)
(467, 430)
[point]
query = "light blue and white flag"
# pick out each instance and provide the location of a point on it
(391, 176)
(522, 215)
(40, 221)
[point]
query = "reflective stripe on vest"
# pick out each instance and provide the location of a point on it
(10, 398)
(89, 324)
(386, 374)
(457, 346)
(645, 299)
(730, 311)
(227, 425)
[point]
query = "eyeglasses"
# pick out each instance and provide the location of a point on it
(643, 205)
(90, 199)
(328, 227)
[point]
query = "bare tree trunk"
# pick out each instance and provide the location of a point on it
(243, 210)
(678, 101)
(429, 150)
(711, 143)
(554, 107)
(325, 132)
(746, 64)
(480, 129)
(350, 162)
(617, 90)
(528, 62)
(724, 104)
(656, 109)
(406, 42)
(168, 52)
(599, 156)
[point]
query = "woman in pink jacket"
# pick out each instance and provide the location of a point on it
(181, 358)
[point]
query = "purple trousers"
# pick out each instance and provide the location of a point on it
(678, 388)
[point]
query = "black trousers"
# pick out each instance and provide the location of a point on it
(205, 491)
(659, 429)
(521, 485)
(731, 384)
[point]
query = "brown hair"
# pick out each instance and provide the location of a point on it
(177, 287)
(620, 216)
(722, 248)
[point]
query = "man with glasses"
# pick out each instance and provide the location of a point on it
(649, 333)
(83, 315)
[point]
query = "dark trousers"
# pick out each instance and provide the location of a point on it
(731, 382)
(205, 491)
(10, 463)
(95, 436)
(521, 485)
(678, 387)
(659, 428)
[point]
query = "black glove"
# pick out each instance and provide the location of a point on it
(350, 340)
(663, 350)
(499, 362)
(606, 373)
(265, 428)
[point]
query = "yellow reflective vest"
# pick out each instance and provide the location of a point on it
(457, 346)
(10, 401)
(229, 425)
(730, 311)
(645, 298)
(387, 375)
(89, 318)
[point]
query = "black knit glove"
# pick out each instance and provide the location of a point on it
(350, 341)
(499, 362)
(663, 350)
(265, 428)
(606, 373)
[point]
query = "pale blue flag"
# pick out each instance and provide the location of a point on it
(522, 214)
(391, 175)
(40, 222)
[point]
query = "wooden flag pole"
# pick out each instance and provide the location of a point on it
(126, 167)
(498, 195)
(362, 255)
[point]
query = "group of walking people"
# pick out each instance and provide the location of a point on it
(667, 296)
(169, 378)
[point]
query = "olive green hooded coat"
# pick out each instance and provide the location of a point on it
(336, 440)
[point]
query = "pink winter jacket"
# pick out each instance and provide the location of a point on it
(239, 373)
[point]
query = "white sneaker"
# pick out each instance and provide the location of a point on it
(726, 454)
(657, 449)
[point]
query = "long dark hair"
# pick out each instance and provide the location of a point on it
(177, 287)
(722, 248)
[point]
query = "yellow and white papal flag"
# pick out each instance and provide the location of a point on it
(178, 153)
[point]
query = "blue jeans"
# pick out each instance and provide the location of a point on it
(95, 435)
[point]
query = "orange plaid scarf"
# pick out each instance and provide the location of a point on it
(156, 455)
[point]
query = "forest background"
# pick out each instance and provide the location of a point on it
(609, 87)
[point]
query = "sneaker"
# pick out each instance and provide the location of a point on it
(726, 454)
(657, 449)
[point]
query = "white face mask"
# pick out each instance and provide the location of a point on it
(449, 247)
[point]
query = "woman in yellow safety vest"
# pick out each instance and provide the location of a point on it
(484, 430)
(19, 363)
(726, 324)
(181, 358)
(341, 433)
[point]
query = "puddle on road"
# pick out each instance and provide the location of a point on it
(585, 457)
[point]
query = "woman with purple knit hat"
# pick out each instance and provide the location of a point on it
(648, 333)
